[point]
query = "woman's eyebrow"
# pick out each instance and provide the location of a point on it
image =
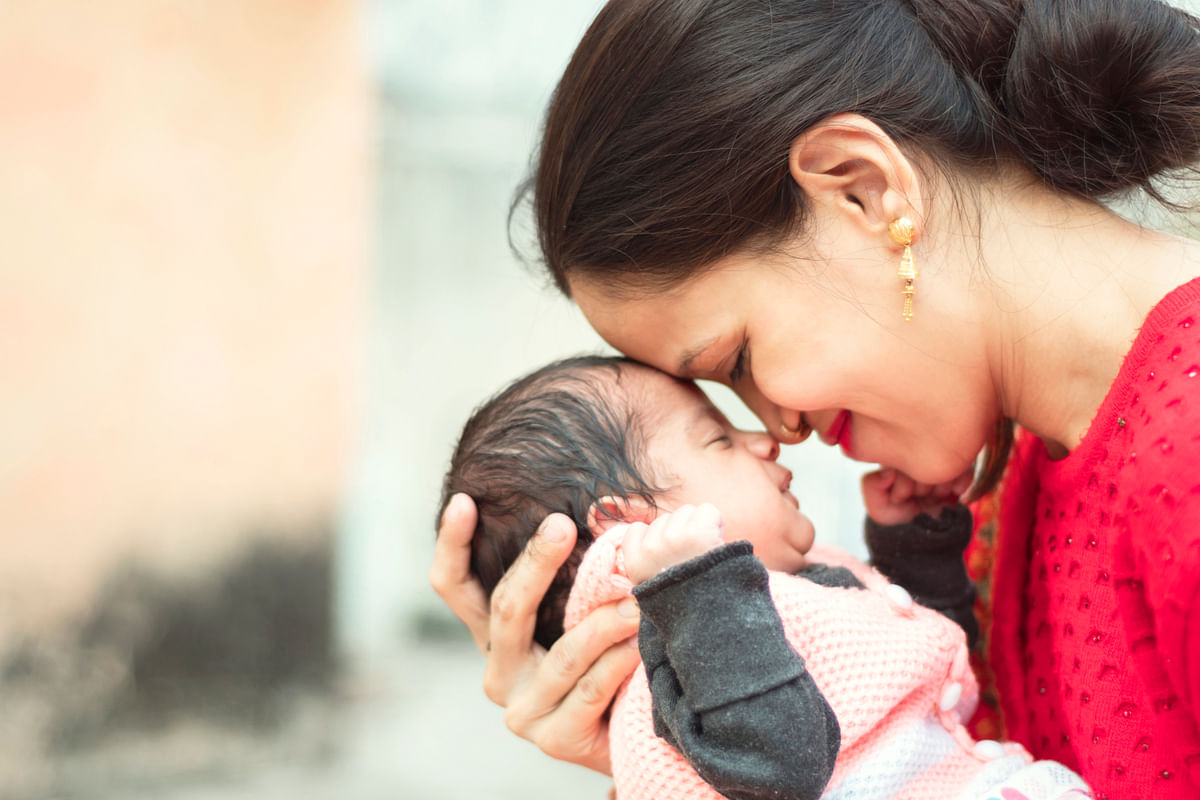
(685, 361)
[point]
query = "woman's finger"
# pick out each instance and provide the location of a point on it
(509, 642)
(596, 688)
(573, 655)
(564, 737)
(450, 574)
(562, 708)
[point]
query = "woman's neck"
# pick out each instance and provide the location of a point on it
(1073, 283)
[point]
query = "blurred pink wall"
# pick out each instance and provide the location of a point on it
(184, 229)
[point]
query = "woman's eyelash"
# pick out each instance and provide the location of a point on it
(740, 364)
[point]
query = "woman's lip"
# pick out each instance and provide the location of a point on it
(836, 430)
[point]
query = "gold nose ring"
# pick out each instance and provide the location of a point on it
(791, 433)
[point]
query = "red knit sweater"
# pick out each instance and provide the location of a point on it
(1095, 642)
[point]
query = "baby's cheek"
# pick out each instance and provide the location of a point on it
(804, 535)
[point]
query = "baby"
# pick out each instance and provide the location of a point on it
(771, 667)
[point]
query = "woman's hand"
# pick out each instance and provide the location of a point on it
(556, 699)
(893, 498)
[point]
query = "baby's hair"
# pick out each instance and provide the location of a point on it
(556, 440)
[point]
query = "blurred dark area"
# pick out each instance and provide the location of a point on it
(232, 650)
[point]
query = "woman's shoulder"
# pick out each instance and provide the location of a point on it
(1165, 356)
(1154, 424)
(1160, 414)
(1159, 454)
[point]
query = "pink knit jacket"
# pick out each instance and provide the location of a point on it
(895, 674)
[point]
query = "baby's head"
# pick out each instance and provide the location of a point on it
(605, 441)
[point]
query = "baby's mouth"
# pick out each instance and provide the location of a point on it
(785, 486)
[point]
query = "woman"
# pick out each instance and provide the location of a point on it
(878, 221)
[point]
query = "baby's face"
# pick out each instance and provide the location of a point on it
(702, 458)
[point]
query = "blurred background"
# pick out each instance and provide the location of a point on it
(257, 276)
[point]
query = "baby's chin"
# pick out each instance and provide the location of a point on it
(792, 561)
(788, 555)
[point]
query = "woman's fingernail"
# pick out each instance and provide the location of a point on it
(627, 608)
(455, 501)
(552, 531)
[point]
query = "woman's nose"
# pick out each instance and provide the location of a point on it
(778, 421)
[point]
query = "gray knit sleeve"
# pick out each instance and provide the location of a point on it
(925, 556)
(728, 690)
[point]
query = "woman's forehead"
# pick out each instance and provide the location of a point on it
(673, 332)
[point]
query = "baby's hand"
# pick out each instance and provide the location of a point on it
(671, 539)
(893, 498)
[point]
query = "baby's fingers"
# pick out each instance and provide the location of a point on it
(670, 527)
(960, 485)
(688, 523)
(903, 489)
(948, 493)
(707, 520)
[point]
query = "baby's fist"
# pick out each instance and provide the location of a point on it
(893, 498)
(671, 539)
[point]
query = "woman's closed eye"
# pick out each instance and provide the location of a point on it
(741, 363)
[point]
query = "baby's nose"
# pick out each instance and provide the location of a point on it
(762, 444)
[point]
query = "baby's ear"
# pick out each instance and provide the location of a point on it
(609, 511)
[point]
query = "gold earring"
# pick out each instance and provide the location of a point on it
(901, 230)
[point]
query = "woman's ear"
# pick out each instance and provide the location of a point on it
(609, 511)
(851, 165)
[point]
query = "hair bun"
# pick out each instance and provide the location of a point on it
(1102, 96)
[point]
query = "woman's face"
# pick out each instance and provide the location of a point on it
(813, 345)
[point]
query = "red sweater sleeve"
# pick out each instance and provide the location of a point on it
(1159, 597)
(1174, 595)
(1158, 563)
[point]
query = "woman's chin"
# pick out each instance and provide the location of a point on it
(942, 471)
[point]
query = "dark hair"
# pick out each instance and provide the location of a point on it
(665, 146)
(556, 440)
